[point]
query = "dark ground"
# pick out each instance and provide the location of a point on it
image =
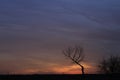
(60, 77)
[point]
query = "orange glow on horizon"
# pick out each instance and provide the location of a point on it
(73, 69)
(58, 69)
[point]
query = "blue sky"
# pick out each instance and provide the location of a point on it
(38, 30)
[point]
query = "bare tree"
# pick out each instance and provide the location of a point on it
(76, 55)
(110, 65)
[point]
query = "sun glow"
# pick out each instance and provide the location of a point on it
(73, 69)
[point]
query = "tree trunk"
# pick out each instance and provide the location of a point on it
(82, 69)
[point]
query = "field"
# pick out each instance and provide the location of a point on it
(60, 77)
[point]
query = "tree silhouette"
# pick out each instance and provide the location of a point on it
(76, 55)
(110, 65)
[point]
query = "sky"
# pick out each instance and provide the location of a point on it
(33, 34)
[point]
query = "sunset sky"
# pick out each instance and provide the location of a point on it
(33, 34)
